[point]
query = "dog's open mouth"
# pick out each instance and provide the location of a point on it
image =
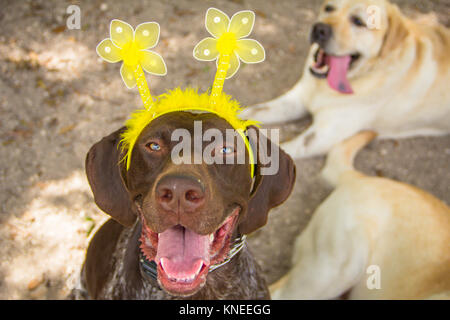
(334, 68)
(183, 257)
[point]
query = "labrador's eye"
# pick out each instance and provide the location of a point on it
(226, 150)
(153, 146)
(357, 21)
(329, 8)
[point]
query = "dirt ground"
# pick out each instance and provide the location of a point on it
(57, 98)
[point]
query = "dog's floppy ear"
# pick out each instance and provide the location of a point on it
(104, 173)
(270, 189)
(396, 31)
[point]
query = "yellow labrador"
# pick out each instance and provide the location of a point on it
(372, 238)
(369, 67)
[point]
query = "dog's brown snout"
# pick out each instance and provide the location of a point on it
(180, 193)
(321, 33)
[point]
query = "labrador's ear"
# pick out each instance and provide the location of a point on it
(271, 187)
(105, 175)
(396, 31)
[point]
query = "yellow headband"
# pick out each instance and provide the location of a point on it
(227, 47)
(185, 100)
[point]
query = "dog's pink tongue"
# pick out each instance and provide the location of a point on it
(337, 74)
(182, 252)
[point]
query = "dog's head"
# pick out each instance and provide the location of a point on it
(350, 36)
(190, 213)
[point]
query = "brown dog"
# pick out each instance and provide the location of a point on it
(185, 217)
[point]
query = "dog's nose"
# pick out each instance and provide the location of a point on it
(174, 193)
(321, 33)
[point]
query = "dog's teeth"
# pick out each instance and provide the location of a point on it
(198, 270)
(211, 237)
(186, 279)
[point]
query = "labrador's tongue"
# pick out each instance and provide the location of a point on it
(182, 252)
(337, 74)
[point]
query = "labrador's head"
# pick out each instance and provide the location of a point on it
(190, 212)
(350, 37)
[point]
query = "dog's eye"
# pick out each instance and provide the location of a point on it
(153, 146)
(329, 8)
(357, 21)
(226, 150)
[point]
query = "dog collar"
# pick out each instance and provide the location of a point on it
(150, 269)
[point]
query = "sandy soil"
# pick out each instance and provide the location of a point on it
(57, 98)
